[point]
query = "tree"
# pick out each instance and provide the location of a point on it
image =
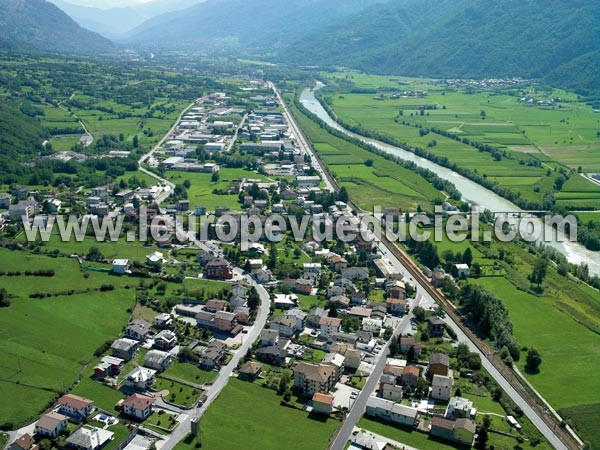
(533, 360)
(343, 195)
(215, 177)
(419, 314)
(94, 254)
(482, 439)
(136, 142)
(540, 269)
(332, 311)
(187, 184)
(468, 256)
(4, 299)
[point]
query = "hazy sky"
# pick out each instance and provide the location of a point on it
(107, 3)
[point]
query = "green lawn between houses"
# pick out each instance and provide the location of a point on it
(246, 415)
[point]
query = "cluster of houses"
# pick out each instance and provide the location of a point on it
(84, 433)
(454, 422)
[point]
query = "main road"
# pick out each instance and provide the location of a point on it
(305, 147)
(144, 158)
(358, 408)
(226, 372)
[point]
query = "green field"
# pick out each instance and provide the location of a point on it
(45, 343)
(201, 191)
(247, 415)
(566, 133)
(384, 183)
(179, 394)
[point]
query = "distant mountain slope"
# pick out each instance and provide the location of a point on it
(243, 24)
(42, 25)
(115, 22)
(460, 38)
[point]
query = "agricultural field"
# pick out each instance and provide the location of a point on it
(45, 343)
(530, 135)
(230, 423)
(370, 179)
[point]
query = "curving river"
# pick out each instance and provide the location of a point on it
(471, 191)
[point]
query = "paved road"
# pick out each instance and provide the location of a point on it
(359, 406)
(225, 373)
(165, 194)
(305, 147)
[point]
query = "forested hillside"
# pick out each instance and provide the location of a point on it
(555, 40)
(41, 25)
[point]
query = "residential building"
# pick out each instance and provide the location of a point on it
(274, 354)
(163, 320)
(395, 289)
(462, 270)
(460, 408)
(353, 358)
(157, 360)
(120, 266)
(218, 268)
(285, 326)
(461, 430)
(226, 322)
(25, 442)
(439, 364)
(396, 306)
(441, 387)
(303, 286)
(410, 376)
(89, 438)
(406, 343)
(138, 329)
(335, 360)
(355, 273)
(322, 403)
(165, 340)
(314, 316)
(250, 370)
(108, 367)
(138, 406)
(391, 392)
(140, 378)
(205, 319)
(340, 301)
(215, 305)
(372, 325)
(213, 354)
(310, 378)
(329, 325)
(50, 425)
(75, 406)
(435, 326)
(392, 412)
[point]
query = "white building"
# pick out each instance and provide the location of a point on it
(392, 412)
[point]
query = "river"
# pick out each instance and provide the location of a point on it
(471, 192)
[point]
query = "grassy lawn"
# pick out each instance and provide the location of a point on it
(104, 397)
(231, 422)
(121, 432)
(44, 343)
(164, 422)
(201, 191)
(179, 394)
(191, 373)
